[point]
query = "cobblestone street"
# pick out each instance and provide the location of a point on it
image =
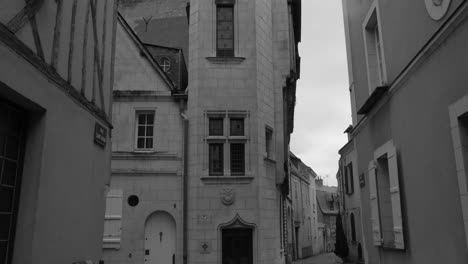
(327, 258)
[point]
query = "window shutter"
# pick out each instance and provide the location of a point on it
(374, 204)
(351, 177)
(113, 219)
(395, 196)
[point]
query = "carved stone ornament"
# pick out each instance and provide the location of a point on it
(437, 8)
(228, 196)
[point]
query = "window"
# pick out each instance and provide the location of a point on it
(269, 142)
(349, 179)
(165, 64)
(378, 49)
(216, 159)
(226, 141)
(237, 159)
(237, 126)
(145, 130)
(353, 228)
(374, 50)
(385, 203)
(225, 28)
(216, 127)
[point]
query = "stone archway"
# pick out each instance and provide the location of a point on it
(237, 241)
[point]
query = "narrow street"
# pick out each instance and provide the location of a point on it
(326, 258)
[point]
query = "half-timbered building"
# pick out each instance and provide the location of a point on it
(55, 107)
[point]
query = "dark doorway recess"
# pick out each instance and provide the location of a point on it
(12, 134)
(237, 247)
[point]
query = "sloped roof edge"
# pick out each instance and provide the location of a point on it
(143, 49)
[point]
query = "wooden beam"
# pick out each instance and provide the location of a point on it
(20, 19)
(37, 38)
(72, 42)
(56, 41)
(12, 42)
(96, 52)
(85, 44)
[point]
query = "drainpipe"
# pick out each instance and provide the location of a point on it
(184, 180)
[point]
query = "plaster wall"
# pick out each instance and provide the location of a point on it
(154, 176)
(60, 153)
(416, 118)
(405, 27)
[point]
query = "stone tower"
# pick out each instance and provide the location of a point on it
(243, 65)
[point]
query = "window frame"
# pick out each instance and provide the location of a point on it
(210, 171)
(227, 140)
(349, 178)
(388, 152)
(269, 146)
(458, 114)
(162, 66)
(372, 31)
(139, 112)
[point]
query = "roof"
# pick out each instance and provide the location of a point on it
(145, 52)
(323, 198)
(166, 32)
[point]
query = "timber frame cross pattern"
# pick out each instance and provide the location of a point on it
(36, 58)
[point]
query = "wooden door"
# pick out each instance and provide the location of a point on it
(237, 246)
(160, 239)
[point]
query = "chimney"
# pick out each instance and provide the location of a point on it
(319, 182)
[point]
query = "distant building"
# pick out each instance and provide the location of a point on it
(328, 205)
(56, 78)
(350, 202)
(145, 202)
(409, 95)
(302, 214)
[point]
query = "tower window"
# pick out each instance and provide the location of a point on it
(225, 30)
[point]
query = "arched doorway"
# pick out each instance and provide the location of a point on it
(160, 238)
(359, 251)
(237, 239)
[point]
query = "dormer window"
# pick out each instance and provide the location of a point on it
(165, 64)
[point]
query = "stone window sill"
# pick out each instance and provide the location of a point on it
(227, 179)
(225, 60)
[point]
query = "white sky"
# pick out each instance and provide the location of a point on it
(323, 108)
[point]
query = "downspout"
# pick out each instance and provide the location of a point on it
(185, 181)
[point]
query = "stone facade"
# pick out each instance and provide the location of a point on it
(328, 205)
(251, 85)
(408, 104)
(302, 208)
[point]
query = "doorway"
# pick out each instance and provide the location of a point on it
(160, 239)
(12, 131)
(237, 246)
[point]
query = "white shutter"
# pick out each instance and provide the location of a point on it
(374, 204)
(113, 219)
(395, 197)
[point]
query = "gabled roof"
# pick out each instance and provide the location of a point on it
(322, 201)
(146, 53)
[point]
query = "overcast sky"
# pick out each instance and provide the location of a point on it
(323, 109)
